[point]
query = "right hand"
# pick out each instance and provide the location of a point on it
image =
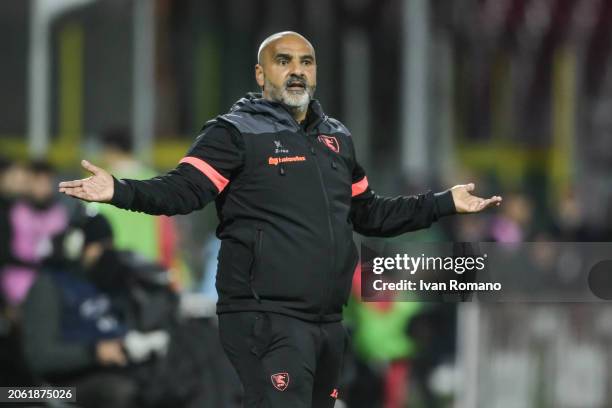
(110, 352)
(99, 187)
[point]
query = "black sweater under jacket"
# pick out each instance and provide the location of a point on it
(288, 198)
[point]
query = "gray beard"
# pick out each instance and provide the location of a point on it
(296, 102)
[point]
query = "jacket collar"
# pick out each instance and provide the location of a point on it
(254, 103)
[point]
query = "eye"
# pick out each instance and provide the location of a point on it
(283, 61)
(307, 62)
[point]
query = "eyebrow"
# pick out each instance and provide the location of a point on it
(289, 57)
(282, 55)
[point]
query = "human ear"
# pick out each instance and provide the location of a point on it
(259, 75)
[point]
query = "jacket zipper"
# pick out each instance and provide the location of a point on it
(256, 260)
(331, 232)
(329, 222)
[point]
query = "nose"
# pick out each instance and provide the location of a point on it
(297, 68)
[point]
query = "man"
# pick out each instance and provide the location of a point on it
(289, 193)
(72, 332)
(13, 186)
(33, 220)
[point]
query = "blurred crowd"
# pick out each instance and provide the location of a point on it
(88, 299)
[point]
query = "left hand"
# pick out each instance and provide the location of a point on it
(99, 187)
(468, 203)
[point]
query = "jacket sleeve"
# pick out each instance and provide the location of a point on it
(206, 170)
(44, 350)
(373, 215)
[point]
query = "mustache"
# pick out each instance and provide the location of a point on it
(294, 79)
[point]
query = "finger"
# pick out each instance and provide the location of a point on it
(487, 203)
(74, 193)
(72, 189)
(90, 167)
(479, 203)
(70, 184)
(80, 194)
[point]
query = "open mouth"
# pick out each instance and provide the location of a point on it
(296, 86)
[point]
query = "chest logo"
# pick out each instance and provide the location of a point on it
(331, 142)
(279, 148)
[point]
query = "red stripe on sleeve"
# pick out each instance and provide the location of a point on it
(213, 175)
(359, 187)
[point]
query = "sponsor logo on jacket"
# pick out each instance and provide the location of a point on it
(275, 161)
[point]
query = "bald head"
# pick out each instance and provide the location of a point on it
(286, 71)
(266, 44)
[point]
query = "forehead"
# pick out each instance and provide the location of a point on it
(289, 44)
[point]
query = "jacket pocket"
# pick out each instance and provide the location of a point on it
(235, 261)
(259, 339)
(257, 254)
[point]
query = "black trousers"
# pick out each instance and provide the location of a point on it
(283, 361)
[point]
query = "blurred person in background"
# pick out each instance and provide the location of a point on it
(107, 322)
(514, 223)
(569, 221)
(13, 185)
(382, 349)
(72, 333)
(397, 346)
(155, 238)
(289, 194)
(33, 219)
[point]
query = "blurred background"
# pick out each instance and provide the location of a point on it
(514, 95)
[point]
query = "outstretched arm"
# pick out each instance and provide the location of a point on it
(180, 191)
(373, 215)
(200, 176)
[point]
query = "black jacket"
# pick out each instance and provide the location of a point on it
(288, 198)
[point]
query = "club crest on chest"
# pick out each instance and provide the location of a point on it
(331, 142)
